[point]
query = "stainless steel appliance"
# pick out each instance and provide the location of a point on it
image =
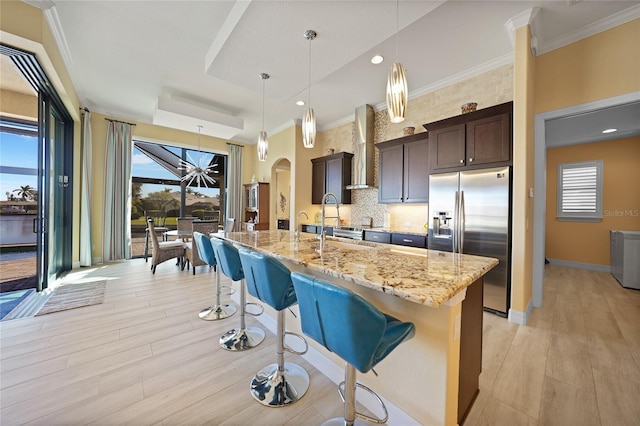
(470, 213)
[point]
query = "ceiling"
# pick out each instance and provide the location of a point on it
(126, 56)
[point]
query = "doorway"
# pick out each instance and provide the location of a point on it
(281, 175)
(47, 191)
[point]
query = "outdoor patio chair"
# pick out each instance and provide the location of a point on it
(159, 218)
(163, 250)
(192, 257)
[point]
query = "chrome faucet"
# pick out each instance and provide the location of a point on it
(299, 230)
(323, 233)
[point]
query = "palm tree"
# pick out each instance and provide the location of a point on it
(26, 193)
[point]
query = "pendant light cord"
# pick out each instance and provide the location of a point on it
(263, 81)
(310, 72)
(397, 26)
(199, 128)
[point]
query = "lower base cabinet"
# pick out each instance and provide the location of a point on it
(470, 348)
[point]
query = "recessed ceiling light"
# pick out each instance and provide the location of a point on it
(300, 103)
(609, 130)
(377, 59)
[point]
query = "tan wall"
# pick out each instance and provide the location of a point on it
(18, 105)
(523, 173)
(588, 242)
(598, 67)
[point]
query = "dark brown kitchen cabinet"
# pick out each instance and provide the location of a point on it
(473, 140)
(404, 170)
(331, 173)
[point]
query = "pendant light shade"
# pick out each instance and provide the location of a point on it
(263, 146)
(263, 143)
(397, 90)
(309, 128)
(309, 118)
(397, 93)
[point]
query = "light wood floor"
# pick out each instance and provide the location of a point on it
(145, 358)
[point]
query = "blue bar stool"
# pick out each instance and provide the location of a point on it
(243, 338)
(352, 328)
(282, 383)
(205, 251)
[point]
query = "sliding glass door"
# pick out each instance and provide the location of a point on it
(53, 225)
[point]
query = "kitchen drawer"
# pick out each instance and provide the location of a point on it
(315, 229)
(378, 237)
(409, 240)
(310, 229)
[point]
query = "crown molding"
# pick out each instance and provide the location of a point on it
(40, 4)
(520, 20)
(348, 119)
(594, 28)
(53, 21)
(498, 62)
(284, 126)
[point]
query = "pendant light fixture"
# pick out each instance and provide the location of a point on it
(196, 170)
(263, 143)
(397, 86)
(309, 118)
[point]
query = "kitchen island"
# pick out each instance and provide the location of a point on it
(432, 378)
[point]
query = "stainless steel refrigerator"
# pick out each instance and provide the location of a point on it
(470, 213)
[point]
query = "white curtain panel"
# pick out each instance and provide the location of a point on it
(85, 193)
(234, 184)
(116, 234)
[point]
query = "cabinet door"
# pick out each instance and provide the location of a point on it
(489, 140)
(318, 181)
(334, 179)
(447, 147)
(416, 172)
(391, 174)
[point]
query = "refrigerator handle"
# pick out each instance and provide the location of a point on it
(454, 223)
(461, 222)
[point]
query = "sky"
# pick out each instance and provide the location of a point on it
(17, 151)
(22, 151)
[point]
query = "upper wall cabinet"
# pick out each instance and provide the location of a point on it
(404, 170)
(475, 140)
(331, 173)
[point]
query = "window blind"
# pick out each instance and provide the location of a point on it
(579, 190)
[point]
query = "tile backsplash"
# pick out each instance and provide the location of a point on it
(490, 88)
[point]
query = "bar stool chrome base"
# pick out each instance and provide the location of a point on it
(276, 388)
(339, 421)
(242, 339)
(217, 312)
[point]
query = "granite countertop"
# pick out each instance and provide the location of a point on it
(381, 229)
(421, 276)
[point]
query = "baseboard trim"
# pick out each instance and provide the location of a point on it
(335, 373)
(580, 265)
(521, 317)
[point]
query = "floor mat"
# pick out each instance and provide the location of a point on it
(8, 301)
(71, 296)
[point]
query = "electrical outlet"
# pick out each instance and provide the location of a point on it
(407, 224)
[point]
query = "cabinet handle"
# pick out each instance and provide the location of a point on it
(406, 240)
(471, 160)
(461, 161)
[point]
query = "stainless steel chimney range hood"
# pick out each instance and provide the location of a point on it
(363, 149)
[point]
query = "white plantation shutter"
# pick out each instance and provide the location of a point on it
(580, 191)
